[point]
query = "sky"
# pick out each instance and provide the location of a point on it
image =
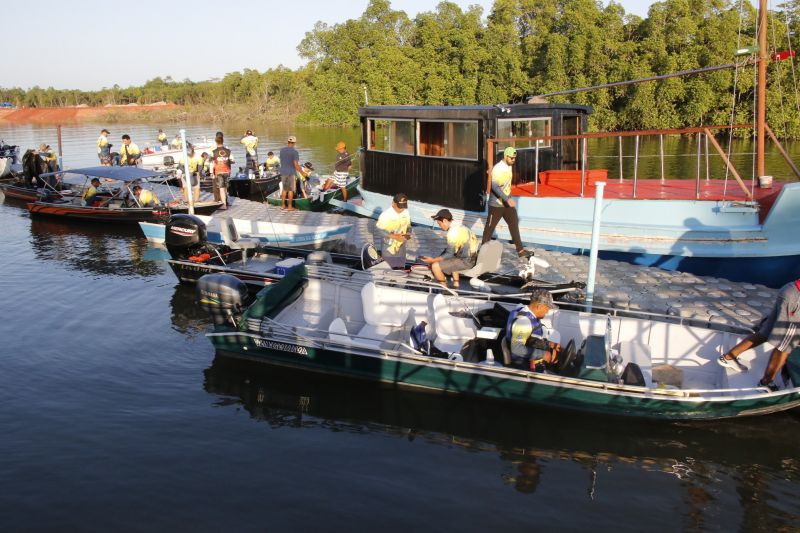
(95, 44)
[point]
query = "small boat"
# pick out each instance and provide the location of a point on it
(331, 320)
(9, 154)
(117, 203)
(163, 157)
(318, 200)
(254, 188)
(267, 233)
(17, 190)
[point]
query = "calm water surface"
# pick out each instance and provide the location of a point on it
(116, 415)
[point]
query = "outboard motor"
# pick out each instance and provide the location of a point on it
(185, 236)
(223, 297)
(169, 161)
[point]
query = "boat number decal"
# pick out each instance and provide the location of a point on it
(272, 345)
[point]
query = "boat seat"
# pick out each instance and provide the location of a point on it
(489, 257)
(635, 351)
(231, 237)
(451, 331)
(387, 306)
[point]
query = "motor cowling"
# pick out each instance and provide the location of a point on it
(184, 235)
(223, 296)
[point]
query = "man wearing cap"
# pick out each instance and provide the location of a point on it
(129, 154)
(290, 166)
(222, 158)
(162, 138)
(250, 143)
(461, 252)
(394, 226)
(341, 169)
(103, 148)
(526, 333)
(501, 205)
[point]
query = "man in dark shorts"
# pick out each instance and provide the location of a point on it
(223, 159)
(290, 166)
(461, 252)
(779, 328)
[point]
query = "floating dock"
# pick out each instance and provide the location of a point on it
(619, 285)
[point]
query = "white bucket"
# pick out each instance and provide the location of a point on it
(765, 182)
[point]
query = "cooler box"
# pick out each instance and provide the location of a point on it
(284, 267)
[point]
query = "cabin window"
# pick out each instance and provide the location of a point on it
(452, 139)
(395, 136)
(528, 127)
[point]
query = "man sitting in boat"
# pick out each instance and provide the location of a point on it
(461, 252)
(90, 195)
(162, 138)
(176, 142)
(272, 163)
(394, 226)
(145, 197)
(779, 328)
(533, 345)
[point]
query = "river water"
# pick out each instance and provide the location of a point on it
(117, 415)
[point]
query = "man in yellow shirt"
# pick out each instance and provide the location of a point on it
(195, 164)
(89, 196)
(162, 138)
(129, 154)
(250, 143)
(461, 252)
(501, 205)
(103, 148)
(394, 226)
(145, 197)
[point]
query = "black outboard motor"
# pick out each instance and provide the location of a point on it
(185, 236)
(223, 297)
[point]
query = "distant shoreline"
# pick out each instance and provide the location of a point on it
(140, 113)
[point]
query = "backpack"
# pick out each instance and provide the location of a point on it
(420, 341)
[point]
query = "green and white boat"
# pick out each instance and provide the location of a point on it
(333, 320)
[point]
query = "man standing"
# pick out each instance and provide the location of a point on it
(129, 154)
(290, 166)
(341, 170)
(223, 159)
(103, 148)
(461, 253)
(250, 143)
(501, 205)
(778, 328)
(394, 225)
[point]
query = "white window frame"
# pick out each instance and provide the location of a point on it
(543, 144)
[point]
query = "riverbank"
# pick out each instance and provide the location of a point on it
(153, 113)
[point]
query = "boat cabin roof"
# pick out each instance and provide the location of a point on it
(471, 111)
(115, 173)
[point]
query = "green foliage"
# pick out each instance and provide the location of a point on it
(455, 56)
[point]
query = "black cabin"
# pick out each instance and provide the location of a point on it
(438, 154)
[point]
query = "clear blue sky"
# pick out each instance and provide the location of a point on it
(90, 44)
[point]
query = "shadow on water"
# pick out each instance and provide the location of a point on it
(93, 248)
(187, 317)
(757, 453)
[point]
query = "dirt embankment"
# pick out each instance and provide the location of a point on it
(58, 115)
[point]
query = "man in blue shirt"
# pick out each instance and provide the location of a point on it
(525, 333)
(290, 166)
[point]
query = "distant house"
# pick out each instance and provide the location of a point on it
(6, 105)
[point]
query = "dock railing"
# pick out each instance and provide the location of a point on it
(704, 135)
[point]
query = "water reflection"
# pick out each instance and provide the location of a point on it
(720, 467)
(186, 315)
(93, 248)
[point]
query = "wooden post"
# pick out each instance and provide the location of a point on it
(490, 160)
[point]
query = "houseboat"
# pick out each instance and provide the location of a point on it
(441, 156)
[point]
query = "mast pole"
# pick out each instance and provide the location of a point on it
(761, 101)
